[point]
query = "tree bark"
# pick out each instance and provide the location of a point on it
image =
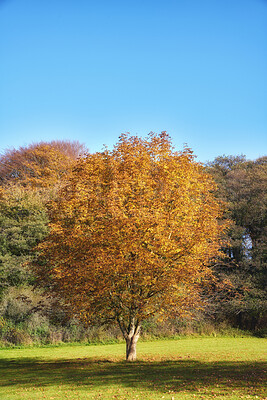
(131, 342)
(131, 336)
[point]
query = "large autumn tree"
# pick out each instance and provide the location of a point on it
(132, 234)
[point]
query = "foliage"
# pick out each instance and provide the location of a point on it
(23, 223)
(132, 234)
(39, 165)
(29, 177)
(128, 226)
(243, 185)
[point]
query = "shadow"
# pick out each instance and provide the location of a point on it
(173, 376)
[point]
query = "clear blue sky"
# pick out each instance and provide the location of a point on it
(89, 70)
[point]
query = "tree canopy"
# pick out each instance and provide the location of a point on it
(132, 234)
(242, 184)
(23, 223)
(39, 165)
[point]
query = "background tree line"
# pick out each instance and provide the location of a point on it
(30, 178)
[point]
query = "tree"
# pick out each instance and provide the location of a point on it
(242, 184)
(29, 176)
(23, 223)
(40, 165)
(132, 234)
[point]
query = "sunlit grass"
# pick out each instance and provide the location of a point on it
(199, 368)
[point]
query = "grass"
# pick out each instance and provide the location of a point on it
(199, 368)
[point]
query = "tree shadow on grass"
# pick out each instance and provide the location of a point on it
(161, 376)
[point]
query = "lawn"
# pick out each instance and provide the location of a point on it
(198, 368)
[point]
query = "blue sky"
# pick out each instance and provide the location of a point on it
(91, 70)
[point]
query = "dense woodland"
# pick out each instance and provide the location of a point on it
(31, 178)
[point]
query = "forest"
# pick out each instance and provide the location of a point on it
(62, 208)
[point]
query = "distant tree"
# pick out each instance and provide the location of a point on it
(132, 234)
(243, 185)
(29, 177)
(40, 165)
(23, 223)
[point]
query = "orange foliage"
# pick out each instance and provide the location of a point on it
(132, 232)
(39, 165)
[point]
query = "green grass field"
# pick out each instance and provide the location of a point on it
(198, 368)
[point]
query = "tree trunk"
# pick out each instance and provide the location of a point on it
(131, 335)
(131, 347)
